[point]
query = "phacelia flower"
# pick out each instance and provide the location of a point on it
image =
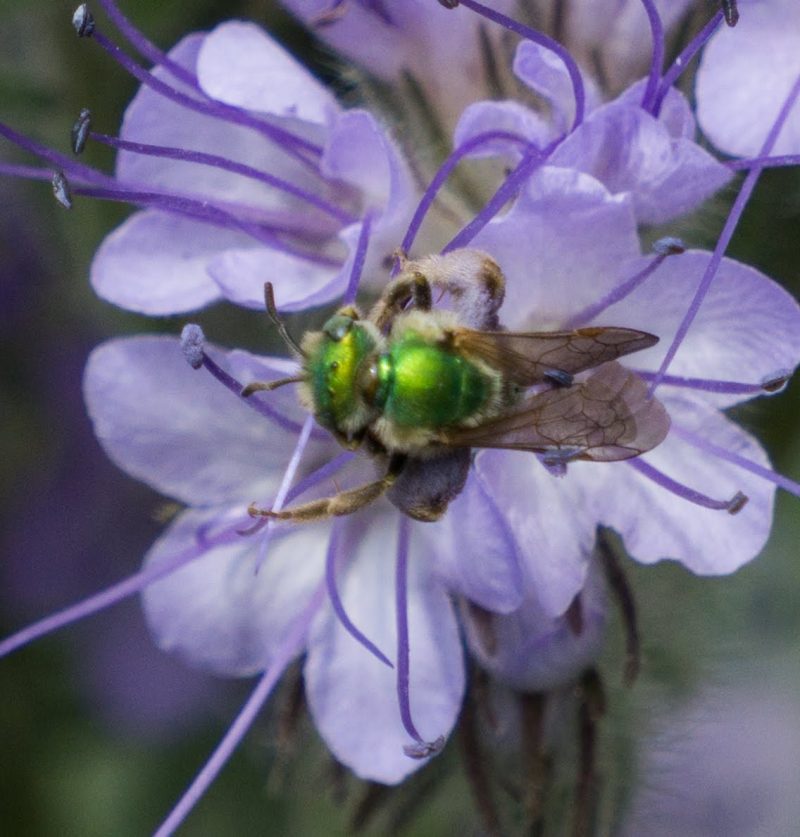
(269, 180)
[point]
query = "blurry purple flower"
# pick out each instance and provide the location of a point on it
(445, 54)
(745, 76)
(724, 764)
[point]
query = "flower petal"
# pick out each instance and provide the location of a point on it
(512, 117)
(745, 76)
(657, 524)
(561, 246)
(241, 65)
(475, 552)
(554, 529)
(299, 283)
(629, 150)
(156, 263)
(530, 651)
(747, 330)
(352, 696)
(218, 613)
(183, 433)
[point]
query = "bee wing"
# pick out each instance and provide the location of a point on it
(528, 358)
(606, 418)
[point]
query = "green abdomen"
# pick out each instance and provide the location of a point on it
(424, 386)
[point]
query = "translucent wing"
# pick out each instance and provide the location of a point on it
(527, 358)
(606, 418)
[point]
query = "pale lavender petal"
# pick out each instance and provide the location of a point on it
(563, 244)
(157, 263)
(217, 613)
(299, 283)
(153, 119)
(745, 76)
(509, 116)
(529, 650)
(552, 519)
(474, 551)
(180, 430)
(546, 74)
(241, 65)
(630, 151)
(656, 524)
(748, 329)
(352, 695)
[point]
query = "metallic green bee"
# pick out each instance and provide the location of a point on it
(418, 387)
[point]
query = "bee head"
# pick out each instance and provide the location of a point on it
(334, 357)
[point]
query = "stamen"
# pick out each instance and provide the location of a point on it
(77, 171)
(531, 160)
(727, 233)
(286, 652)
(144, 46)
(80, 131)
(439, 179)
(336, 601)
(657, 61)
(682, 61)
(358, 260)
(193, 347)
(736, 459)
(208, 212)
(111, 595)
(543, 41)
(61, 190)
(730, 11)
(25, 172)
(283, 490)
(289, 142)
(420, 749)
(215, 161)
(765, 162)
(663, 247)
(732, 506)
(772, 384)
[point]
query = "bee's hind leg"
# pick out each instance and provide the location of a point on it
(343, 503)
(410, 286)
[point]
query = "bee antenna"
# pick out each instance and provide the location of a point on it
(272, 313)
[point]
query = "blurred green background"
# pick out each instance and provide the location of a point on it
(99, 732)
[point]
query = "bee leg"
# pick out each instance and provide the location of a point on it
(408, 287)
(343, 503)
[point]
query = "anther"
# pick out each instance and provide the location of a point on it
(192, 342)
(449, 4)
(424, 749)
(737, 503)
(80, 130)
(730, 11)
(559, 377)
(776, 382)
(83, 21)
(61, 189)
(669, 246)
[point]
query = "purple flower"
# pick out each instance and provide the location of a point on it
(267, 181)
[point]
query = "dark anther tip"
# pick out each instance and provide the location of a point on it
(424, 749)
(776, 383)
(83, 21)
(730, 11)
(669, 246)
(737, 503)
(80, 131)
(448, 4)
(61, 189)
